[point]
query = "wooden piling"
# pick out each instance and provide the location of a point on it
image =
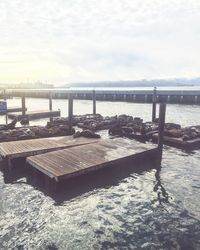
(6, 114)
(94, 102)
(50, 101)
(154, 99)
(70, 111)
(4, 94)
(162, 112)
(50, 105)
(23, 105)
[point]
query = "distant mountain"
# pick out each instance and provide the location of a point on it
(139, 83)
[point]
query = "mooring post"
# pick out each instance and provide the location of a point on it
(162, 113)
(70, 110)
(154, 99)
(23, 104)
(94, 102)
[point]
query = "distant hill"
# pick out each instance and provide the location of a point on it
(139, 83)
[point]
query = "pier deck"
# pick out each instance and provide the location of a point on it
(24, 148)
(32, 115)
(79, 160)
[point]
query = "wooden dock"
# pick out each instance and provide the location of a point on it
(178, 142)
(13, 109)
(33, 115)
(66, 163)
(24, 148)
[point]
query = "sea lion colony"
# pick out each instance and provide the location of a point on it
(122, 125)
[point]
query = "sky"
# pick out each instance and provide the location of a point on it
(63, 41)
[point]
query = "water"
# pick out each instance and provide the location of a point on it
(123, 209)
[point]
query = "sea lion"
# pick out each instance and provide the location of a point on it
(86, 133)
(24, 121)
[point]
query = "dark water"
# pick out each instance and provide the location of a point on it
(126, 208)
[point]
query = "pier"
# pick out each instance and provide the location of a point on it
(135, 96)
(61, 158)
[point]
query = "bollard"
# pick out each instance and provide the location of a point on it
(94, 102)
(70, 111)
(162, 113)
(154, 99)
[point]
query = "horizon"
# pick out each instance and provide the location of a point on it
(72, 41)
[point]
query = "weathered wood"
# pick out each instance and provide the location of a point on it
(78, 160)
(24, 148)
(50, 101)
(23, 105)
(70, 111)
(162, 112)
(94, 101)
(154, 100)
(35, 114)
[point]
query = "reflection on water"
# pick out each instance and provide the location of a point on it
(163, 196)
(146, 207)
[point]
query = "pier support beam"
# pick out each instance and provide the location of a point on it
(70, 111)
(94, 102)
(154, 99)
(23, 105)
(50, 105)
(50, 101)
(162, 113)
(195, 99)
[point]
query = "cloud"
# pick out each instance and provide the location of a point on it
(90, 40)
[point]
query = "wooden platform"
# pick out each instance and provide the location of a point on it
(13, 109)
(32, 115)
(179, 143)
(78, 160)
(24, 148)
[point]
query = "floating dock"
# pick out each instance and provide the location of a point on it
(70, 162)
(10, 151)
(33, 115)
(178, 142)
(13, 109)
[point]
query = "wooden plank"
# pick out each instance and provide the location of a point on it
(68, 162)
(24, 148)
(35, 114)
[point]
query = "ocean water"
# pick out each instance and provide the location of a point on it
(136, 207)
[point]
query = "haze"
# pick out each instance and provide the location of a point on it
(88, 40)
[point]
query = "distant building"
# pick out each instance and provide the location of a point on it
(29, 85)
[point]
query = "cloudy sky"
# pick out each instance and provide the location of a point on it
(59, 41)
